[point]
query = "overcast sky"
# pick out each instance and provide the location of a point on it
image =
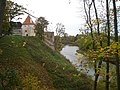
(67, 12)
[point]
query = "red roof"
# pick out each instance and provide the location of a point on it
(28, 20)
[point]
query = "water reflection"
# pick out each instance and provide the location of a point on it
(69, 53)
(78, 60)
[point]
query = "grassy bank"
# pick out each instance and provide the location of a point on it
(27, 63)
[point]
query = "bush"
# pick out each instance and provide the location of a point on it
(9, 80)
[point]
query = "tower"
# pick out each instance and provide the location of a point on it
(28, 27)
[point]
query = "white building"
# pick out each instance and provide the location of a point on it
(28, 27)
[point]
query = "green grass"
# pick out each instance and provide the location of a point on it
(29, 55)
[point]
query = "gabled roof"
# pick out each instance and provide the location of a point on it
(28, 21)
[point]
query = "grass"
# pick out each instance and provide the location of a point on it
(29, 55)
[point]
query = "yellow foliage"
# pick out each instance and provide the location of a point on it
(102, 49)
(96, 21)
(85, 25)
(31, 82)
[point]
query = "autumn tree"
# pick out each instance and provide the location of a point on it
(116, 40)
(100, 41)
(108, 43)
(98, 63)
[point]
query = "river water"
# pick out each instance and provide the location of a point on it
(77, 59)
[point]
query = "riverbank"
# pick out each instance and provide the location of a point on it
(77, 59)
(32, 65)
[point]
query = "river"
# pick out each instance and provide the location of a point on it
(78, 60)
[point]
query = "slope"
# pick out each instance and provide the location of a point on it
(27, 63)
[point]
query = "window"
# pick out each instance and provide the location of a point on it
(19, 30)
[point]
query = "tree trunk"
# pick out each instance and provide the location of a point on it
(88, 15)
(90, 25)
(95, 65)
(2, 8)
(116, 40)
(108, 44)
(100, 63)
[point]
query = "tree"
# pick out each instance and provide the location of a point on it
(98, 31)
(2, 8)
(41, 25)
(116, 40)
(108, 44)
(60, 31)
(12, 10)
(90, 24)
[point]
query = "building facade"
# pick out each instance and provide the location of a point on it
(49, 39)
(49, 36)
(17, 30)
(28, 27)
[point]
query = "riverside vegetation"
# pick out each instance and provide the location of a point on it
(26, 63)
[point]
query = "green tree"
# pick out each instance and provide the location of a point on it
(41, 25)
(12, 11)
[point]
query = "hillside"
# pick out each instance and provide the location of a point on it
(28, 64)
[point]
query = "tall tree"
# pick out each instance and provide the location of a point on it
(12, 10)
(98, 31)
(108, 44)
(2, 8)
(41, 25)
(88, 19)
(60, 31)
(116, 40)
